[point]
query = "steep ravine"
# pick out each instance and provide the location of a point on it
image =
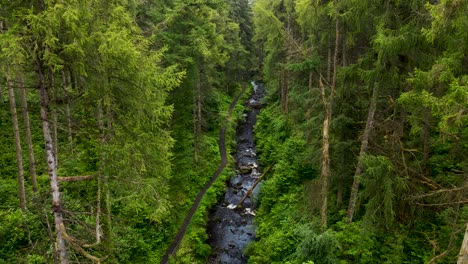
(230, 230)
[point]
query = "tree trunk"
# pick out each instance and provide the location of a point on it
(102, 141)
(328, 104)
(463, 256)
(55, 135)
(67, 85)
(54, 123)
(329, 62)
(19, 152)
(284, 90)
(325, 172)
(27, 128)
(197, 114)
(426, 134)
(102, 161)
(362, 152)
(61, 246)
(341, 175)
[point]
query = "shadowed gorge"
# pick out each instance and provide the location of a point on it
(231, 229)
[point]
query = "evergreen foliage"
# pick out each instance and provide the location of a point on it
(114, 72)
(414, 166)
(135, 92)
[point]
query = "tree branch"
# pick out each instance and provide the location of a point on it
(75, 243)
(253, 186)
(444, 204)
(438, 192)
(75, 178)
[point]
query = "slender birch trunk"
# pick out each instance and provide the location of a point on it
(27, 129)
(362, 152)
(19, 152)
(61, 246)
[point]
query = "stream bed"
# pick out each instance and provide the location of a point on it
(230, 230)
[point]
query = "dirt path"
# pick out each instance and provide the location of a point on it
(222, 150)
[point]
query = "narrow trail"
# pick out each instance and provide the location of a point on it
(222, 150)
(231, 225)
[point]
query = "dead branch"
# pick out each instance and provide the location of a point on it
(438, 192)
(452, 236)
(444, 204)
(253, 186)
(77, 245)
(75, 178)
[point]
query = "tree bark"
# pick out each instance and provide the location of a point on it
(103, 140)
(463, 256)
(249, 192)
(341, 176)
(197, 114)
(67, 85)
(364, 146)
(27, 129)
(61, 246)
(54, 123)
(329, 62)
(426, 134)
(325, 172)
(75, 178)
(19, 152)
(328, 104)
(284, 90)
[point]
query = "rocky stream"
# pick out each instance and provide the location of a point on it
(231, 228)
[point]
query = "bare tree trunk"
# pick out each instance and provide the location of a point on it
(329, 62)
(463, 256)
(55, 134)
(102, 142)
(27, 128)
(19, 152)
(343, 52)
(195, 127)
(61, 246)
(426, 133)
(311, 75)
(325, 171)
(341, 177)
(67, 85)
(328, 104)
(197, 115)
(54, 123)
(109, 126)
(362, 152)
(285, 73)
(335, 59)
(284, 90)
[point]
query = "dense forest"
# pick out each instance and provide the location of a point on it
(110, 112)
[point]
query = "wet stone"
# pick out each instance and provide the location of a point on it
(231, 229)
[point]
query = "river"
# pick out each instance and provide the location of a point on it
(231, 229)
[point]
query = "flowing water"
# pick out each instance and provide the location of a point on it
(230, 230)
